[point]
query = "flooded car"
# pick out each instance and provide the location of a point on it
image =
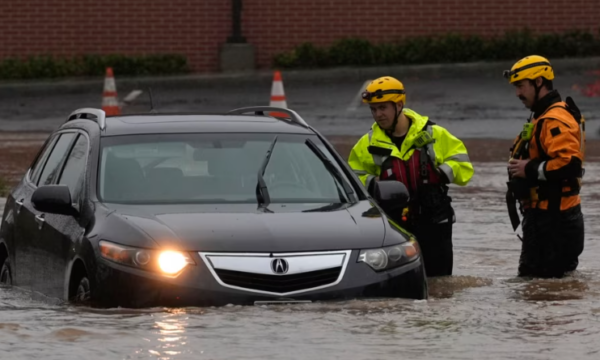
(198, 210)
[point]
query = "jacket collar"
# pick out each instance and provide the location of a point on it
(418, 122)
(544, 103)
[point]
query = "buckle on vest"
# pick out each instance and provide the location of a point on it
(527, 132)
(423, 138)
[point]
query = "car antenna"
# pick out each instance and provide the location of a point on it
(152, 109)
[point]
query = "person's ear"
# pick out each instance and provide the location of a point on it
(539, 81)
(399, 106)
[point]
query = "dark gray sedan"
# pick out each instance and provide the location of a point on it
(198, 210)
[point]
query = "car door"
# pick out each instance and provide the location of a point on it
(30, 258)
(23, 217)
(61, 233)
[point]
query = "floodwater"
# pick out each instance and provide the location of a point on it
(483, 311)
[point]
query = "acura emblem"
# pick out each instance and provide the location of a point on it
(280, 266)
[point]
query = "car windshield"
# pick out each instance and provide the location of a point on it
(214, 168)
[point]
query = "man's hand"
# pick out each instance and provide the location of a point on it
(516, 168)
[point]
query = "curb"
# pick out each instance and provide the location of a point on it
(291, 77)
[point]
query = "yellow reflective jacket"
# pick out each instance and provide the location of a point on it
(448, 153)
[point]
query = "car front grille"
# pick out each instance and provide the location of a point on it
(279, 283)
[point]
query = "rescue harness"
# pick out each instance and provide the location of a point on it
(429, 198)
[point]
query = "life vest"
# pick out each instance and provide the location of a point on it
(423, 182)
(413, 172)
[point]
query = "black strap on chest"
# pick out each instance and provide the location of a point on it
(424, 158)
(424, 161)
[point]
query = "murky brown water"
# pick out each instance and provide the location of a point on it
(483, 311)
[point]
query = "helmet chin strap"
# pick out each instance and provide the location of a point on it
(537, 94)
(395, 123)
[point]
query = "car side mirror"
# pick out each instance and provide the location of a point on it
(54, 199)
(391, 195)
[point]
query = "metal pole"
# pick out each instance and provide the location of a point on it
(236, 12)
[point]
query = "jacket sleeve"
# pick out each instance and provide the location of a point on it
(561, 142)
(452, 156)
(360, 160)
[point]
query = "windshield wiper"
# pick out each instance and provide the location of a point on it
(262, 193)
(328, 207)
(330, 167)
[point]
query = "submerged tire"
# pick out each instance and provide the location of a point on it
(82, 292)
(5, 273)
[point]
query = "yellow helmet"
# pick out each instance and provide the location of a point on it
(385, 88)
(530, 67)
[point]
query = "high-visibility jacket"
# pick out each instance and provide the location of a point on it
(556, 151)
(447, 153)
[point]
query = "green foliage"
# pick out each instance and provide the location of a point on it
(47, 66)
(448, 48)
(4, 187)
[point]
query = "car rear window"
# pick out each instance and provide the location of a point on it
(213, 168)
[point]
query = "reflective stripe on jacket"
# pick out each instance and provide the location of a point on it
(449, 153)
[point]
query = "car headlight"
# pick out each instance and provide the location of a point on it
(167, 262)
(391, 256)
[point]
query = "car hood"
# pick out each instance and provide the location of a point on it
(248, 231)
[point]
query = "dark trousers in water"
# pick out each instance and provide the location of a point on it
(552, 242)
(435, 241)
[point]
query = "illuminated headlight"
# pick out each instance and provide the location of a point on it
(171, 262)
(167, 262)
(391, 256)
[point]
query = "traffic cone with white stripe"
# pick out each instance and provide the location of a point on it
(110, 104)
(278, 95)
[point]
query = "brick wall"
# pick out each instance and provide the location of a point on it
(192, 27)
(196, 28)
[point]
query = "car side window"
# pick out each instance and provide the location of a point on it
(72, 174)
(55, 159)
(38, 165)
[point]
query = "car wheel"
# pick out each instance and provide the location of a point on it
(83, 292)
(5, 273)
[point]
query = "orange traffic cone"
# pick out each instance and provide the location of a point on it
(277, 95)
(110, 104)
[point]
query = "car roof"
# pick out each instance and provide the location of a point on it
(165, 123)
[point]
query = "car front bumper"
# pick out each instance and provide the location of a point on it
(201, 285)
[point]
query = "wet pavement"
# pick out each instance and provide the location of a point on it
(473, 107)
(482, 311)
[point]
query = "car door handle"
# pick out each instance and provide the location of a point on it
(40, 220)
(19, 205)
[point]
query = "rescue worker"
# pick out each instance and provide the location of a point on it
(406, 146)
(545, 171)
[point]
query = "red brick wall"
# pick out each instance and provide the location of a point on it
(192, 27)
(196, 28)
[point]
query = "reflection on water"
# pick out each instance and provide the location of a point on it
(483, 311)
(447, 286)
(172, 332)
(71, 334)
(552, 289)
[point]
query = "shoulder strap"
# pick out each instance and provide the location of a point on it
(573, 109)
(538, 141)
(427, 154)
